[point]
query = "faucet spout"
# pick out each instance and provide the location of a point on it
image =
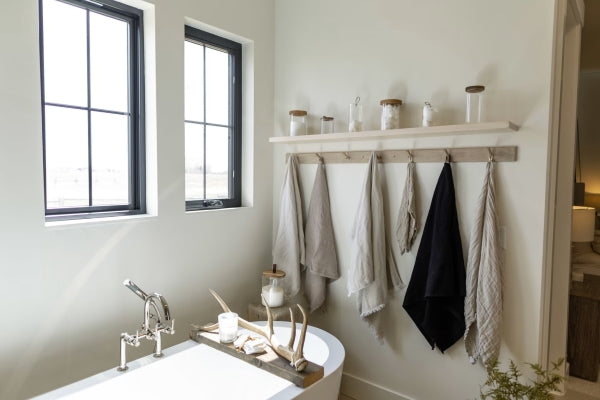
(153, 304)
(151, 301)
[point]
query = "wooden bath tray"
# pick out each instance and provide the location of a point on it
(269, 360)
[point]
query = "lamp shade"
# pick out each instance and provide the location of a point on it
(584, 221)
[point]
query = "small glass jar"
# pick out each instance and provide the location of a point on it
(271, 288)
(326, 125)
(355, 117)
(390, 113)
(474, 104)
(297, 122)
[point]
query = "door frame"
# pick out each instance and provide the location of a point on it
(559, 195)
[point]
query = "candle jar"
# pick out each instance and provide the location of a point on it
(356, 116)
(297, 122)
(228, 327)
(474, 103)
(390, 113)
(326, 125)
(272, 291)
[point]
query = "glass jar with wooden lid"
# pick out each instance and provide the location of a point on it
(390, 113)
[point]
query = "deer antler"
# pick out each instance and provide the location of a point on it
(295, 357)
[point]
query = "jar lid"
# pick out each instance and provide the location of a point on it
(270, 274)
(325, 118)
(298, 113)
(391, 101)
(475, 89)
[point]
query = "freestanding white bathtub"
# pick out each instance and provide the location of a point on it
(198, 371)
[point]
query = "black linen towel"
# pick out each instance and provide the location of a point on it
(436, 293)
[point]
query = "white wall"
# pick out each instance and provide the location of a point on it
(64, 306)
(326, 54)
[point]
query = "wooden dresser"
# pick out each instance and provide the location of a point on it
(583, 348)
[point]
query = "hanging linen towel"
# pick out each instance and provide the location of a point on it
(321, 258)
(436, 292)
(368, 275)
(483, 302)
(289, 250)
(406, 224)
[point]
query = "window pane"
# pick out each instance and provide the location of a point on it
(110, 160)
(108, 63)
(194, 162)
(217, 162)
(66, 157)
(65, 53)
(217, 87)
(194, 82)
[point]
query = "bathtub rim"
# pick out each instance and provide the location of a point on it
(332, 365)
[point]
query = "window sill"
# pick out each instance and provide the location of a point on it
(218, 209)
(98, 221)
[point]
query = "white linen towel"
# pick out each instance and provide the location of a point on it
(483, 301)
(406, 224)
(372, 263)
(321, 258)
(289, 250)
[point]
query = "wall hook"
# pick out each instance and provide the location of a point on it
(490, 155)
(346, 156)
(410, 156)
(447, 155)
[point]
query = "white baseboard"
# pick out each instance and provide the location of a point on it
(360, 389)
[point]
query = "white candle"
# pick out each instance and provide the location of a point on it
(228, 327)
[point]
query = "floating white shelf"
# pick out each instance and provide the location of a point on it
(440, 130)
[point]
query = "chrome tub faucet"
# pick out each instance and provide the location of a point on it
(153, 304)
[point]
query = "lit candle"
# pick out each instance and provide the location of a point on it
(228, 327)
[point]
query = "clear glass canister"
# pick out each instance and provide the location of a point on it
(326, 124)
(474, 104)
(297, 122)
(355, 117)
(272, 290)
(390, 113)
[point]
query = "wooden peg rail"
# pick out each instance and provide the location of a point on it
(464, 154)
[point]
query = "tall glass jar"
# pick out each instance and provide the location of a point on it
(356, 116)
(326, 125)
(297, 122)
(390, 113)
(474, 104)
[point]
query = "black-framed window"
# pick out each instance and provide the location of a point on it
(92, 108)
(213, 115)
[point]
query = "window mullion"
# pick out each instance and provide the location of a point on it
(89, 110)
(204, 113)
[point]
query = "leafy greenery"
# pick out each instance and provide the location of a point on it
(511, 385)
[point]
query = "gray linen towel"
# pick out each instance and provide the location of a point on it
(368, 275)
(321, 258)
(483, 301)
(289, 250)
(406, 224)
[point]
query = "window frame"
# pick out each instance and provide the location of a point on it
(136, 112)
(234, 49)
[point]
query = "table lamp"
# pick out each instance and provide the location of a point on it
(582, 235)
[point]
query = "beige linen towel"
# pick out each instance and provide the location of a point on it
(483, 301)
(372, 263)
(289, 250)
(321, 258)
(406, 224)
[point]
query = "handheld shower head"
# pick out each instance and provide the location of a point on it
(135, 289)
